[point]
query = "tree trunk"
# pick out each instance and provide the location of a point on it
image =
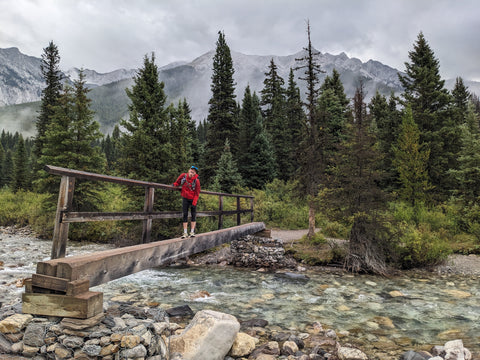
(311, 220)
(365, 251)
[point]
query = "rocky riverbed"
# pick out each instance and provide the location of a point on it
(260, 339)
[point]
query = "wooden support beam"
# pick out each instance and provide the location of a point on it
(108, 265)
(60, 231)
(81, 306)
(148, 208)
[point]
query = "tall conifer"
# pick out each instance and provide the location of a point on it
(53, 86)
(222, 112)
(21, 176)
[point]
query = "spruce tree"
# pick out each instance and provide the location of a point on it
(311, 166)
(71, 141)
(146, 150)
(7, 174)
(295, 122)
(352, 192)
(424, 91)
(256, 154)
(274, 116)
(222, 112)
(227, 177)
(386, 119)
(21, 176)
(53, 86)
(411, 161)
(2, 164)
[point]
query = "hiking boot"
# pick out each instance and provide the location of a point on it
(192, 234)
(184, 235)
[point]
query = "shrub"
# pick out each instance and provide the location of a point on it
(420, 247)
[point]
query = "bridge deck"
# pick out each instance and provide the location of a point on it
(63, 283)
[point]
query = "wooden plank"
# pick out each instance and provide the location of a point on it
(77, 287)
(148, 208)
(108, 265)
(49, 282)
(73, 217)
(123, 181)
(82, 306)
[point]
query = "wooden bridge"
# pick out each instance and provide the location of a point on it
(61, 286)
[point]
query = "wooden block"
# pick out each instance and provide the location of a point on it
(78, 287)
(28, 286)
(49, 282)
(82, 306)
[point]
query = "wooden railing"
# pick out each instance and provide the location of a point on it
(64, 215)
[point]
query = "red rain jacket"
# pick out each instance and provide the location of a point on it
(190, 187)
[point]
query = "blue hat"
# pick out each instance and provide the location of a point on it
(194, 168)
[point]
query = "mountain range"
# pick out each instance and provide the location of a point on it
(21, 83)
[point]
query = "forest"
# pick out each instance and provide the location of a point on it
(399, 176)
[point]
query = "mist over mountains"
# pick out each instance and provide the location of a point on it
(21, 83)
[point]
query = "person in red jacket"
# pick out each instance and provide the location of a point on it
(190, 192)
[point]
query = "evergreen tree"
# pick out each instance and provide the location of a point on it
(227, 177)
(424, 91)
(411, 161)
(387, 120)
(352, 192)
(146, 150)
(222, 112)
(2, 165)
(275, 120)
(295, 122)
(21, 176)
(70, 141)
(468, 172)
(461, 97)
(312, 165)
(257, 158)
(7, 175)
(53, 80)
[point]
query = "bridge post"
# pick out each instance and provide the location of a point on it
(148, 208)
(239, 218)
(251, 210)
(220, 208)
(60, 231)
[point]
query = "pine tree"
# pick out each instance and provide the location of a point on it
(222, 112)
(227, 177)
(7, 175)
(53, 79)
(70, 141)
(146, 150)
(424, 91)
(411, 161)
(312, 166)
(21, 176)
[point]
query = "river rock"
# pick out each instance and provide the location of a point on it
(15, 323)
(454, 350)
(29, 351)
(243, 345)
(5, 346)
(289, 348)
(209, 336)
(412, 355)
(346, 353)
(34, 334)
(73, 342)
(92, 350)
(134, 353)
(130, 341)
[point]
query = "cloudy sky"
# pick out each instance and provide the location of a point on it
(105, 35)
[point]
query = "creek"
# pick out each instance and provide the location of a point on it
(405, 311)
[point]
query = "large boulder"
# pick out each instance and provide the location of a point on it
(209, 336)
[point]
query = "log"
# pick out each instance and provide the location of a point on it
(102, 267)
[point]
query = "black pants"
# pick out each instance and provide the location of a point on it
(186, 203)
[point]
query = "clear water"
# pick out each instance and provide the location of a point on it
(433, 310)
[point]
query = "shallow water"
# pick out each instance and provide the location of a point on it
(432, 310)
